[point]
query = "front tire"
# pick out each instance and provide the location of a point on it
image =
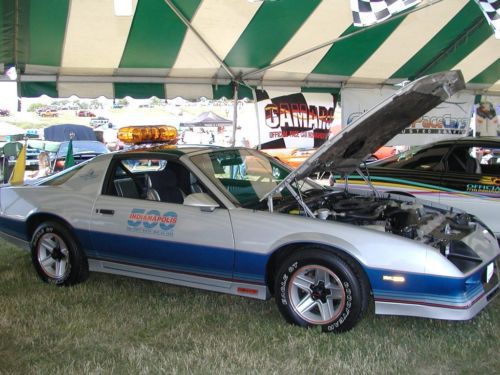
(56, 255)
(314, 287)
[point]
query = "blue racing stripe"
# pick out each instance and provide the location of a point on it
(426, 288)
(181, 257)
(15, 228)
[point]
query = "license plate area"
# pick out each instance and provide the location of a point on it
(490, 276)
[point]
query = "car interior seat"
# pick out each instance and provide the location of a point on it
(462, 161)
(164, 187)
(126, 187)
(472, 165)
(151, 193)
(194, 184)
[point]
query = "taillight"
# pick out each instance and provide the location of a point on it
(60, 164)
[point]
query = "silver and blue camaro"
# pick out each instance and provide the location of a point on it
(233, 220)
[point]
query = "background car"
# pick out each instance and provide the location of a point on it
(463, 173)
(95, 122)
(292, 157)
(85, 113)
(8, 161)
(32, 158)
(48, 113)
(296, 156)
(82, 151)
(382, 153)
(32, 133)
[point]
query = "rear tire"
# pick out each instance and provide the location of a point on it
(315, 287)
(56, 255)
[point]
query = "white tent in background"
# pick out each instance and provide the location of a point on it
(8, 130)
(207, 119)
(178, 101)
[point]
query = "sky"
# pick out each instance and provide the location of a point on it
(8, 95)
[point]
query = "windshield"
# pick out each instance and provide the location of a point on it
(80, 147)
(244, 176)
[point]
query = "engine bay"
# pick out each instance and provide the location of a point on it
(393, 213)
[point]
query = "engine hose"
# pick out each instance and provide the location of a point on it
(357, 215)
(394, 212)
(461, 227)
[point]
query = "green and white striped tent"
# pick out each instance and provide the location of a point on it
(194, 48)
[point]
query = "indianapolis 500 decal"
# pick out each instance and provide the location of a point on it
(152, 221)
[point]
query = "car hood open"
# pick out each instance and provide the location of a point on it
(345, 151)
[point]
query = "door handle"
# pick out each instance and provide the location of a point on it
(104, 211)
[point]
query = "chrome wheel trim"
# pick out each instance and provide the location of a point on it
(316, 294)
(53, 256)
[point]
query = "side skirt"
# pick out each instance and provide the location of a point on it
(199, 282)
(25, 245)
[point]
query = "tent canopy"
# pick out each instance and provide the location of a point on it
(65, 132)
(195, 48)
(208, 119)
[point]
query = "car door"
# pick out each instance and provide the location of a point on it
(471, 181)
(129, 230)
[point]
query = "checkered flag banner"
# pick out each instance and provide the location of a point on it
(369, 12)
(491, 10)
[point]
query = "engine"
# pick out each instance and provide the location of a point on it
(400, 215)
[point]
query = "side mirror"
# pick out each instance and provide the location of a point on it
(201, 200)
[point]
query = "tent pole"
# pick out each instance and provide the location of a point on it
(235, 112)
(254, 94)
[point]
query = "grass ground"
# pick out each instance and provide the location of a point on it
(117, 325)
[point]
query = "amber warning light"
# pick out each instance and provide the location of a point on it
(148, 134)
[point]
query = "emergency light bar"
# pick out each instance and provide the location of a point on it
(148, 134)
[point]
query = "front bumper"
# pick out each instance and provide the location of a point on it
(477, 293)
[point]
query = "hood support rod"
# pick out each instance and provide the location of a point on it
(299, 199)
(366, 179)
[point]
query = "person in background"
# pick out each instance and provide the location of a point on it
(43, 166)
(487, 120)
